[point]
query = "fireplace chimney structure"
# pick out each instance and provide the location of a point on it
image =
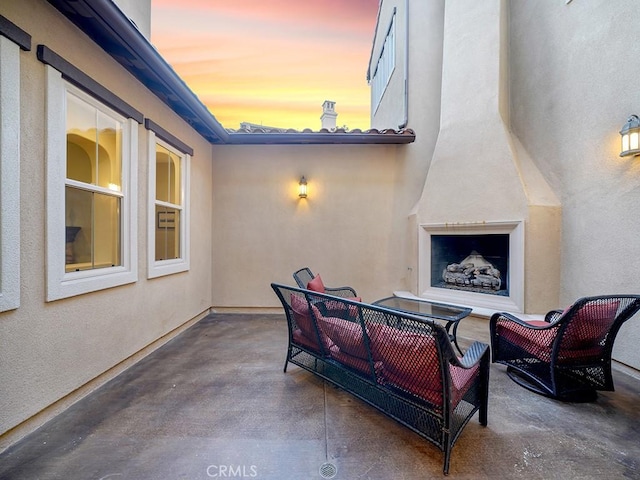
(481, 181)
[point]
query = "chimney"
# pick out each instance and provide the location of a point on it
(481, 184)
(329, 115)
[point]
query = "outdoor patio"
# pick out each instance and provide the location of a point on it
(215, 403)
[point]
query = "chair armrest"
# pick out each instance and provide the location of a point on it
(472, 356)
(496, 317)
(340, 291)
(552, 316)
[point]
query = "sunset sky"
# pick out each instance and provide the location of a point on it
(271, 62)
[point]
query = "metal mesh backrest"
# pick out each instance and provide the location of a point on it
(303, 277)
(589, 322)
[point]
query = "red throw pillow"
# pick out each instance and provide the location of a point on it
(316, 285)
(345, 334)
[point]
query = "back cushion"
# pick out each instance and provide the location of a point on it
(345, 334)
(304, 321)
(403, 352)
(411, 361)
(590, 324)
(302, 315)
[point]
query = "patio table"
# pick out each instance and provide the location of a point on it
(450, 314)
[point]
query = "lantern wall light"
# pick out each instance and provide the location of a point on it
(302, 187)
(630, 137)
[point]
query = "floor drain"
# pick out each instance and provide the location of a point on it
(328, 470)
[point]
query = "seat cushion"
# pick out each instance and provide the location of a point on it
(316, 285)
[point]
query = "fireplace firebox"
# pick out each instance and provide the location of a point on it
(477, 264)
(473, 263)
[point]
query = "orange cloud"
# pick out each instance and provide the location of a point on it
(271, 62)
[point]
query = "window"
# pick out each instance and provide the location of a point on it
(10, 174)
(91, 201)
(168, 224)
(385, 66)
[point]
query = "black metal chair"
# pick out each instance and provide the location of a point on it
(566, 356)
(304, 276)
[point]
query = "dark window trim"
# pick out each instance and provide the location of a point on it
(167, 137)
(86, 83)
(15, 34)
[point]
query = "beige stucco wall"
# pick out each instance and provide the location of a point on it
(574, 81)
(350, 229)
(48, 350)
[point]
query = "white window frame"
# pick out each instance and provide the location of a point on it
(385, 66)
(9, 174)
(158, 268)
(61, 284)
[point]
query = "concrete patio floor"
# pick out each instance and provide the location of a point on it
(215, 403)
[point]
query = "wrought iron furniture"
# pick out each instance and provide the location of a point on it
(306, 279)
(566, 356)
(450, 314)
(401, 364)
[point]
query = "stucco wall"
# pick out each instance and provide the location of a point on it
(48, 350)
(350, 229)
(574, 81)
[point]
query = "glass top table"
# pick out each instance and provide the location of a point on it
(451, 314)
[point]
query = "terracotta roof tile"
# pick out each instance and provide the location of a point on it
(269, 135)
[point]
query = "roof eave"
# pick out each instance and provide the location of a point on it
(108, 27)
(319, 138)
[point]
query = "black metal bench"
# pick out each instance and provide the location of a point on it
(401, 364)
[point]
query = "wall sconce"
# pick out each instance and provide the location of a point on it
(631, 137)
(302, 187)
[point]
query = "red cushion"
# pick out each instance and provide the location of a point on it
(402, 351)
(316, 285)
(304, 321)
(339, 309)
(301, 339)
(345, 334)
(411, 362)
(354, 362)
(536, 342)
(302, 315)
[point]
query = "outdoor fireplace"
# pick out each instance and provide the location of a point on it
(478, 264)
